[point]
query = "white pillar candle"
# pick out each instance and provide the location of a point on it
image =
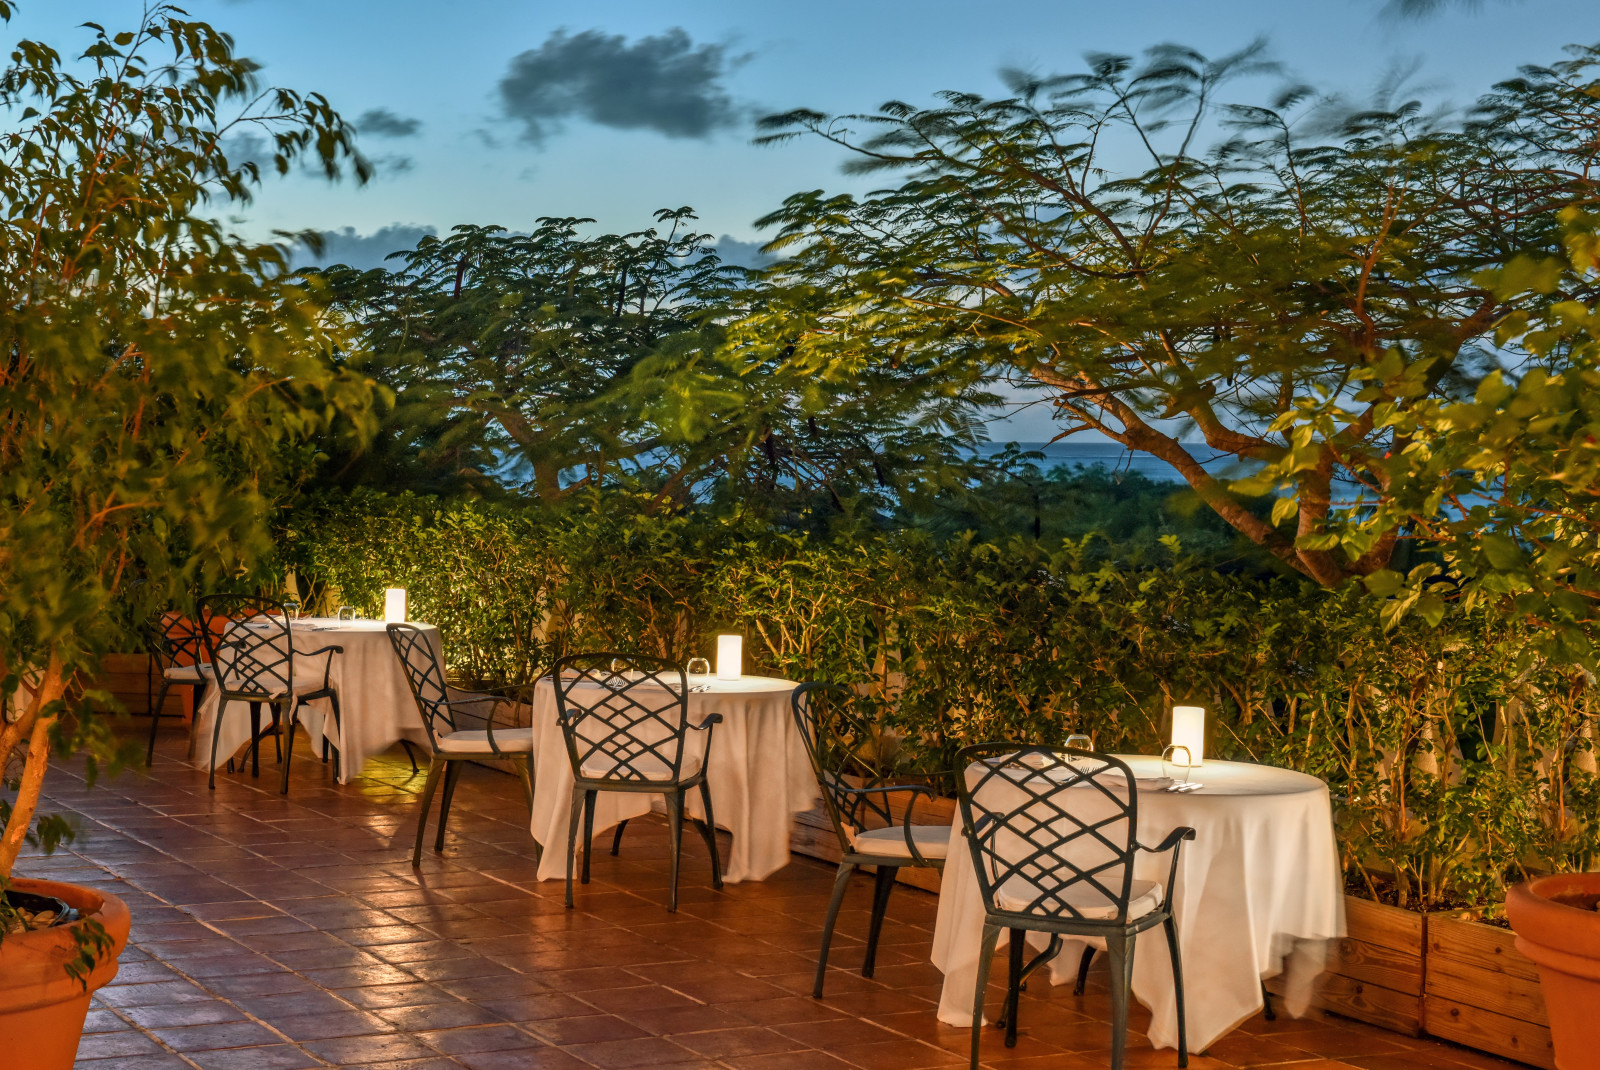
(730, 654)
(1189, 730)
(394, 605)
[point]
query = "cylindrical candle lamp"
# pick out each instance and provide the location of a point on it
(730, 656)
(394, 605)
(1189, 730)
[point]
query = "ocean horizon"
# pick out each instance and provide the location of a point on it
(1113, 458)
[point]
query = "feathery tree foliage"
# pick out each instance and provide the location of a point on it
(1208, 292)
(557, 361)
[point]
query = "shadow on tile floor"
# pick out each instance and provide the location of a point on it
(274, 933)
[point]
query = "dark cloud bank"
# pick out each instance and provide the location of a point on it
(345, 246)
(665, 83)
(381, 122)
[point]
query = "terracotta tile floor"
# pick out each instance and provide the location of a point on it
(277, 933)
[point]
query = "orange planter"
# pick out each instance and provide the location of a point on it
(1565, 943)
(42, 1009)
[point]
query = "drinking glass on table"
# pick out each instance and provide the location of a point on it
(1174, 759)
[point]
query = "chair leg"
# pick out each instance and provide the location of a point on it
(991, 937)
(1120, 951)
(277, 733)
(411, 753)
(616, 841)
(1083, 971)
(428, 787)
(155, 718)
(1018, 944)
(1267, 1010)
(588, 831)
(338, 734)
(452, 774)
(255, 739)
(882, 885)
(708, 830)
(294, 722)
(525, 772)
(572, 837)
(1171, 926)
(840, 883)
(216, 734)
(674, 844)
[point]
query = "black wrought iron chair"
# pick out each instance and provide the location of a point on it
(869, 831)
(254, 660)
(625, 720)
(440, 706)
(178, 650)
(1054, 835)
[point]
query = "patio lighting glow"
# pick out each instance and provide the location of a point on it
(730, 654)
(1189, 731)
(394, 605)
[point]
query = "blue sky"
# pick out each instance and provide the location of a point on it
(501, 111)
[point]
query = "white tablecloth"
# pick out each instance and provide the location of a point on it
(758, 773)
(376, 709)
(1259, 892)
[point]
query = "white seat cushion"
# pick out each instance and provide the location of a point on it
(933, 841)
(187, 674)
(600, 767)
(466, 741)
(1017, 895)
(272, 684)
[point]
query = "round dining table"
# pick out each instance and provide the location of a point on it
(758, 772)
(1259, 892)
(376, 709)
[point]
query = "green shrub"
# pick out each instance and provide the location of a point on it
(1458, 760)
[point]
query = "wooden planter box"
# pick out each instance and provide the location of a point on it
(1482, 992)
(1434, 975)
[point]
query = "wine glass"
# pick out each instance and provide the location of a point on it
(1174, 758)
(291, 609)
(698, 667)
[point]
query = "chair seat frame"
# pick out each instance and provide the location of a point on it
(850, 808)
(640, 673)
(1119, 933)
(439, 703)
(284, 703)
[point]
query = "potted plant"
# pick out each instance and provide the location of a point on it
(159, 380)
(1558, 927)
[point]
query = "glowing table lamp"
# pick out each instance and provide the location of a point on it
(1189, 731)
(730, 656)
(394, 605)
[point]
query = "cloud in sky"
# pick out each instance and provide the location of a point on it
(664, 83)
(345, 246)
(381, 122)
(743, 253)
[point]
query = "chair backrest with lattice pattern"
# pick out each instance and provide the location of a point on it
(833, 736)
(425, 676)
(626, 713)
(1053, 830)
(251, 648)
(175, 640)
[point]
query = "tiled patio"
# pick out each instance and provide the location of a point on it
(275, 934)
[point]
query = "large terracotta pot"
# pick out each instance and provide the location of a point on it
(41, 1008)
(1564, 941)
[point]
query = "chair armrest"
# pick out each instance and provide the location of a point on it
(707, 721)
(906, 823)
(321, 650)
(1173, 843)
(1174, 838)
